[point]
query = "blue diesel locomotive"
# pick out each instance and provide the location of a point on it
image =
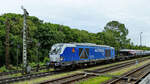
(69, 54)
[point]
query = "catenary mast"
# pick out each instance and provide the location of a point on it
(24, 39)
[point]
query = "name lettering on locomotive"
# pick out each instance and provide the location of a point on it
(99, 50)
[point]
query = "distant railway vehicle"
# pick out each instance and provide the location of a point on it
(130, 52)
(127, 52)
(146, 52)
(66, 54)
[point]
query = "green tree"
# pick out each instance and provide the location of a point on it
(47, 34)
(117, 32)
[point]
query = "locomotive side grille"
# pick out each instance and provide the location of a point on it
(87, 50)
(108, 53)
(83, 53)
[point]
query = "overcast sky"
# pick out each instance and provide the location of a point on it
(90, 15)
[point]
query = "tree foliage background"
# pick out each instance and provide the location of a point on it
(47, 34)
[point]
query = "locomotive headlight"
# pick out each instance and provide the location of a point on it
(61, 58)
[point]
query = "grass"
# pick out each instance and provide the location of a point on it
(37, 80)
(95, 80)
(20, 74)
(12, 67)
(15, 75)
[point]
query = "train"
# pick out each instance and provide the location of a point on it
(73, 54)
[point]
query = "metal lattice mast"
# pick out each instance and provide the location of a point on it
(24, 39)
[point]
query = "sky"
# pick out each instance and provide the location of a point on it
(90, 15)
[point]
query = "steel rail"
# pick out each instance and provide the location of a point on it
(87, 74)
(31, 76)
(129, 75)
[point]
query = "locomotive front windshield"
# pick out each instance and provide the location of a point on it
(56, 49)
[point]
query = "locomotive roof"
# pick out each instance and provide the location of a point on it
(83, 44)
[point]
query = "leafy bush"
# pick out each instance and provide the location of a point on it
(46, 59)
(32, 64)
(3, 69)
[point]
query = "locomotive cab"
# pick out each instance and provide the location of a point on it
(55, 52)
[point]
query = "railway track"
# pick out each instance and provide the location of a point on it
(132, 77)
(19, 71)
(88, 74)
(31, 76)
(11, 72)
(34, 69)
(28, 76)
(65, 80)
